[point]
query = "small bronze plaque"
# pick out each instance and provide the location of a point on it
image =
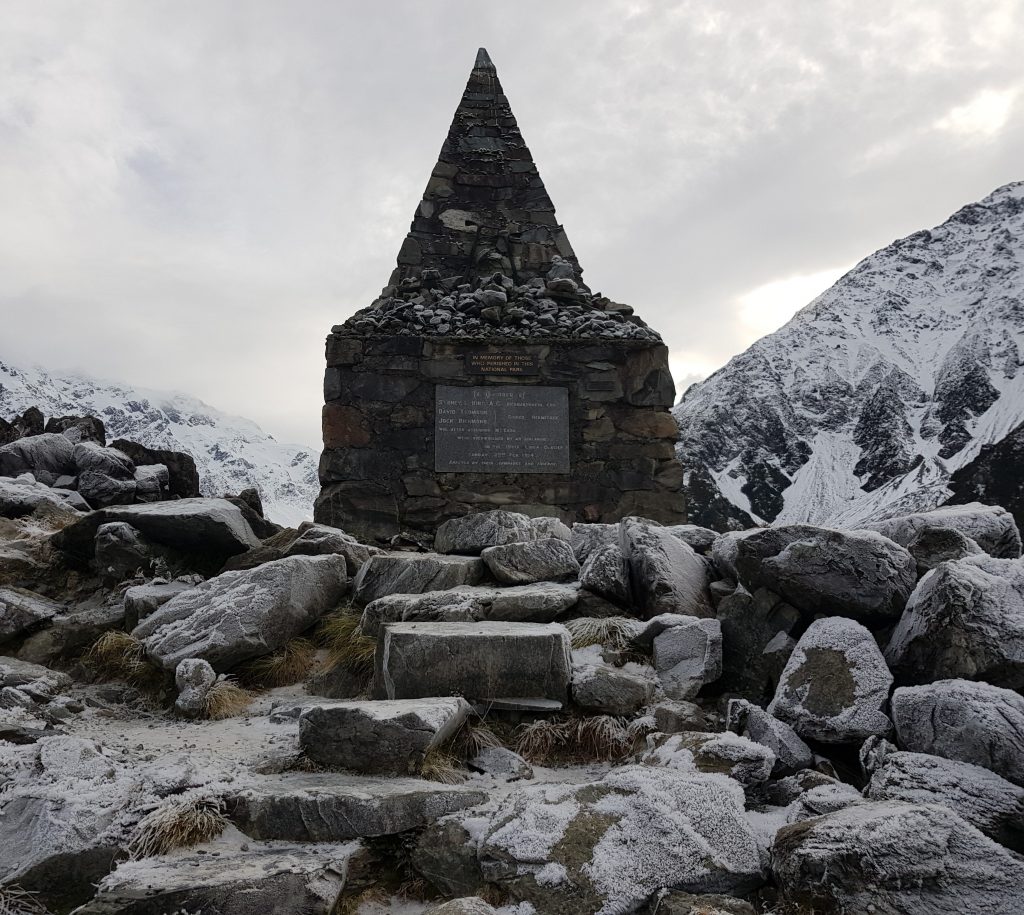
(502, 363)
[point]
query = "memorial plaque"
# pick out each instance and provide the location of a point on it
(502, 363)
(501, 429)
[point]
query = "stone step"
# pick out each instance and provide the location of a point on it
(327, 807)
(413, 573)
(479, 661)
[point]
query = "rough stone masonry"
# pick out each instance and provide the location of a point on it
(487, 374)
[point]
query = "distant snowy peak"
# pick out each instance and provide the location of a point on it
(231, 453)
(881, 387)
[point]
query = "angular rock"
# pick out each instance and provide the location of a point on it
(550, 559)
(481, 661)
(688, 656)
(283, 879)
(605, 572)
(970, 722)
(320, 540)
(445, 855)
(109, 462)
(21, 611)
(990, 526)
(549, 527)
(15, 672)
(607, 846)
(382, 737)
(413, 573)
(610, 690)
(935, 545)
(141, 601)
(101, 491)
(754, 723)
(78, 428)
(71, 633)
(19, 498)
(241, 615)
(747, 762)
(193, 679)
(666, 575)
(468, 905)
(699, 539)
(982, 798)
(726, 550)
(892, 857)
(46, 457)
(835, 686)
(152, 482)
(472, 534)
(538, 603)
(860, 575)
(502, 763)
(183, 480)
(586, 538)
(328, 807)
(121, 551)
(965, 620)
(672, 716)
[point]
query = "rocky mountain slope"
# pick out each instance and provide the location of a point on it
(231, 453)
(868, 400)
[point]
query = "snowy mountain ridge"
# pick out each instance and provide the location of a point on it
(231, 453)
(875, 392)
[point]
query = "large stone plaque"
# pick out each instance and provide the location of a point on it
(501, 429)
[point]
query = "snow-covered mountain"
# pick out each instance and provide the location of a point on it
(231, 453)
(867, 401)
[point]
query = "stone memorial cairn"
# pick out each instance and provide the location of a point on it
(487, 374)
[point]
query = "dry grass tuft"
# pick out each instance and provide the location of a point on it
(16, 901)
(288, 665)
(613, 632)
(346, 645)
(117, 655)
(575, 739)
(536, 741)
(471, 739)
(440, 766)
(603, 737)
(177, 824)
(226, 699)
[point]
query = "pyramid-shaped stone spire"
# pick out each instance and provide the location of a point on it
(485, 208)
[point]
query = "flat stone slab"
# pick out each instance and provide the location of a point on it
(550, 559)
(15, 672)
(387, 737)
(327, 807)
(21, 611)
(542, 602)
(413, 573)
(480, 661)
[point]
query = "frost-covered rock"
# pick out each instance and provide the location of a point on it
(605, 572)
(473, 533)
(549, 559)
(152, 482)
(586, 538)
(120, 552)
(15, 672)
(468, 905)
(21, 611)
(688, 655)
(747, 762)
(193, 679)
(501, 762)
(726, 550)
(542, 602)
(549, 527)
(859, 575)
(413, 573)
(90, 457)
(754, 723)
(982, 798)
(47, 457)
(321, 540)
(835, 686)
(140, 601)
(600, 687)
(893, 858)
(666, 575)
(966, 620)
(676, 903)
(241, 615)
(935, 545)
(957, 719)
(379, 737)
(699, 539)
(606, 847)
(20, 497)
(990, 526)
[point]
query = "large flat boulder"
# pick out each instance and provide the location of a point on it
(892, 857)
(385, 737)
(542, 602)
(990, 526)
(413, 573)
(21, 497)
(480, 661)
(860, 575)
(242, 615)
(550, 559)
(47, 457)
(958, 719)
(600, 687)
(665, 574)
(835, 685)
(22, 611)
(472, 534)
(278, 878)
(965, 620)
(328, 807)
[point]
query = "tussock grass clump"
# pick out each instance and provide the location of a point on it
(288, 665)
(346, 645)
(117, 655)
(226, 699)
(471, 739)
(16, 901)
(177, 824)
(574, 739)
(615, 632)
(441, 766)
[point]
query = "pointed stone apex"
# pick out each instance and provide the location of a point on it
(483, 61)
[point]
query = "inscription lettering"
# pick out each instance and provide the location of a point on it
(503, 363)
(501, 429)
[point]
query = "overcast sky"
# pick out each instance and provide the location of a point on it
(192, 193)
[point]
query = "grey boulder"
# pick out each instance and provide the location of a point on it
(152, 482)
(665, 574)
(835, 685)
(606, 573)
(473, 533)
(699, 539)
(21, 611)
(687, 656)
(109, 462)
(586, 538)
(193, 680)
(502, 763)
(990, 526)
(610, 690)
(549, 559)
(413, 573)
(141, 601)
(242, 615)
(46, 457)
(120, 552)
(101, 491)
(744, 760)
(751, 721)
(379, 737)
(933, 546)
(958, 719)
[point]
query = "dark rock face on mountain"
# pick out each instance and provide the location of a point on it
(995, 476)
(879, 390)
